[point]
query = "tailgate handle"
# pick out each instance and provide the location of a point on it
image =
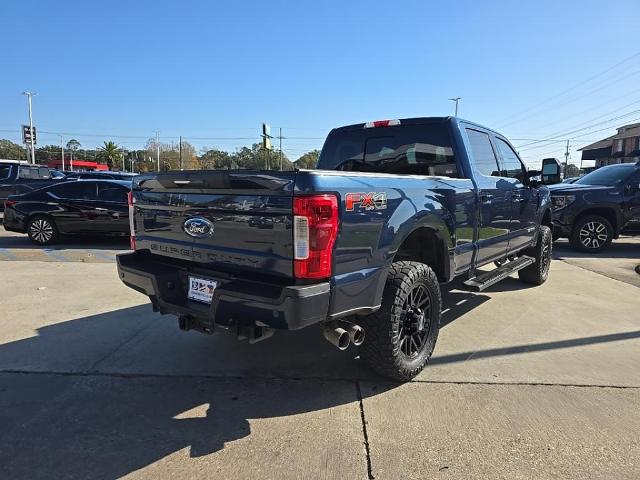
(188, 182)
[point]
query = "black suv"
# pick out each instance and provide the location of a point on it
(598, 207)
(18, 177)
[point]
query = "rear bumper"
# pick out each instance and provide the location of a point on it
(235, 302)
(13, 221)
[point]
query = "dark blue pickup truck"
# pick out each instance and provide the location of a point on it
(360, 245)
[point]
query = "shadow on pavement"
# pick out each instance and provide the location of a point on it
(65, 416)
(535, 347)
(623, 248)
(22, 242)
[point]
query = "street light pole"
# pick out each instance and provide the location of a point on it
(456, 99)
(62, 148)
(280, 138)
(33, 153)
(158, 149)
(566, 160)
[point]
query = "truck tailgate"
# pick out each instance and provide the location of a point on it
(236, 221)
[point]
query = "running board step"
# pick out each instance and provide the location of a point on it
(479, 283)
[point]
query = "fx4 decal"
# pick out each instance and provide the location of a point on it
(367, 201)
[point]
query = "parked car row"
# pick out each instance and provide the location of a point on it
(83, 207)
(590, 211)
(18, 177)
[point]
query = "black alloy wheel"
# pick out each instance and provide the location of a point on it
(402, 334)
(415, 321)
(592, 233)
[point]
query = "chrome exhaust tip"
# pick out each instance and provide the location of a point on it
(356, 335)
(337, 336)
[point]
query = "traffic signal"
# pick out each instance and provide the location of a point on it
(28, 135)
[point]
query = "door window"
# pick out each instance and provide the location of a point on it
(483, 156)
(76, 191)
(110, 192)
(27, 172)
(511, 165)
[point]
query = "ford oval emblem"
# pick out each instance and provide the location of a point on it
(197, 227)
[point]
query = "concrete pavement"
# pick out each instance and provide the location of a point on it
(619, 261)
(526, 382)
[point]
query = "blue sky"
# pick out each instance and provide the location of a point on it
(219, 69)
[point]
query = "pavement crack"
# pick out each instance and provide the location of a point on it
(365, 435)
(378, 381)
(92, 368)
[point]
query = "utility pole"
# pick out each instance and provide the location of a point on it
(266, 143)
(456, 99)
(33, 153)
(180, 151)
(280, 138)
(158, 149)
(566, 160)
(62, 148)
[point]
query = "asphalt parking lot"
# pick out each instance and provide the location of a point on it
(526, 382)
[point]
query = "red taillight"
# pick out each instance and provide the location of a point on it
(131, 200)
(315, 228)
(382, 123)
(9, 203)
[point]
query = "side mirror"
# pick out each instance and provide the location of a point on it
(550, 171)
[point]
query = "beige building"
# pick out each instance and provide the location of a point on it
(623, 147)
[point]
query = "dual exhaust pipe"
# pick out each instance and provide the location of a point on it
(342, 334)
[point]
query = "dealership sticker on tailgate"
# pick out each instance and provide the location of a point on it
(201, 289)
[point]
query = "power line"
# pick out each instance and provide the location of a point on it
(568, 90)
(571, 100)
(607, 103)
(606, 114)
(582, 135)
(568, 133)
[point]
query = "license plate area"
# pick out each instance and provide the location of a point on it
(201, 289)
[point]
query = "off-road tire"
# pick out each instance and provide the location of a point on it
(386, 330)
(537, 273)
(583, 224)
(42, 230)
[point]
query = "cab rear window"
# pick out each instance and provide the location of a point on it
(405, 149)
